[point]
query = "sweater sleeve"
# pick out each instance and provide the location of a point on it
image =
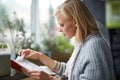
(61, 69)
(96, 62)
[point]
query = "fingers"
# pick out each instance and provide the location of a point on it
(37, 75)
(25, 72)
(20, 52)
(23, 52)
(34, 74)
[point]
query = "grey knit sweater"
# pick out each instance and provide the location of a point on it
(93, 61)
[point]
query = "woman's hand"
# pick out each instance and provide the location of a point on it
(47, 61)
(38, 75)
(28, 53)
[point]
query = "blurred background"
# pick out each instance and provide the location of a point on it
(32, 24)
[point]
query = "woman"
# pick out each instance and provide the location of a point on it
(91, 58)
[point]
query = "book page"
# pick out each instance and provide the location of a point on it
(20, 63)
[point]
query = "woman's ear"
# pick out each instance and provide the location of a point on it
(74, 22)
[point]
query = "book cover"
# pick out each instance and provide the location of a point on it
(15, 65)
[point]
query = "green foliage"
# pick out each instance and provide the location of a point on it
(13, 25)
(3, 45)
(58, 44)
(16, 28)
(63, 45)
(35, 46)
(49, 44)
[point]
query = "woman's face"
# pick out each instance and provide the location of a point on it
(67, 27)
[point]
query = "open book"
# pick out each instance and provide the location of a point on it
(20, 63)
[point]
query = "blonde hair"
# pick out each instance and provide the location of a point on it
(77, 10)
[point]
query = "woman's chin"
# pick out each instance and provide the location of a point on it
(67, 37)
